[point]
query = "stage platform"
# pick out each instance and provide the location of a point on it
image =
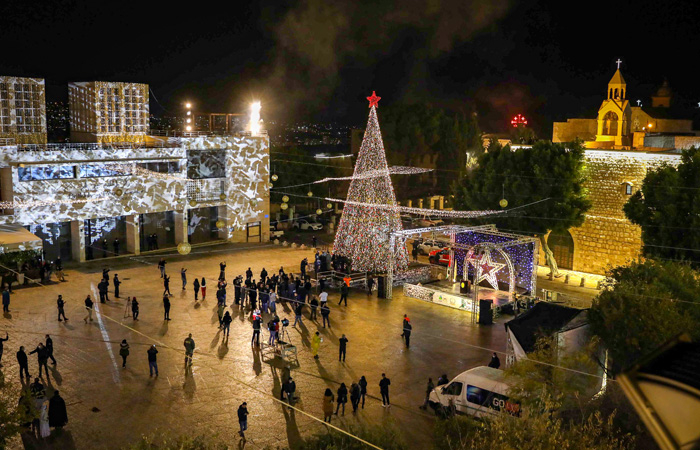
(499, 298)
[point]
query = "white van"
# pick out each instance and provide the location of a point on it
(478, 392)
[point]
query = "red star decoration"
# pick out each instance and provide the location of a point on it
(373, 100)
(485, 267)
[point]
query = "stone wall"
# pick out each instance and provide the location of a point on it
(568, 131)
(607, 238)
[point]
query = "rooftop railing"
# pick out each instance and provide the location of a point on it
(57, 147)
(175, 133)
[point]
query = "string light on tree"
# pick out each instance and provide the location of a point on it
(370, 213)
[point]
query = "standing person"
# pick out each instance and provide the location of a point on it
(263, 275)
(257, 321)
(5, 300)
(204, 288)
(298, 310)
(116, 247)
(166, 308)
(495, 362)
(189, 349)
(302, 267)
(195, 285)
(344, 289)
(44, 430)
(407, 333)
(355, 396)
(220, 312)
(222, 270)
(315, 344)
(252, 296)
(116, 282)
(243, 419)
(323, 296)
(166, 285)
(327, 405)
(370, 285)
(237, 290)
(102, 288)
(414, 253)
(343, 348)
(58, 416)
(248, 274)
(272, 329)
(135, 309)
(183, 276)
(227, 323)
(313, 241)
(161, 266)
(152, 360)
(88, 307)
(325, 314)
(7, 337)
(42, 357)
(288, 389)
(428, 390)
(314, 307)
(273, 303)
(23, 362)
(403, 324)
(49, 349)
(59, 270)
(342, 398)
(124, 351)
(60, 304)
(384, 390)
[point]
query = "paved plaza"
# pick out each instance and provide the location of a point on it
(109, 407)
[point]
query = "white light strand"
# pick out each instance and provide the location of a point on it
(393, 170)
(34, 203)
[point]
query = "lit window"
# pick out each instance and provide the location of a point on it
(628, 189)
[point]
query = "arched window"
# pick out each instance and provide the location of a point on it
(610, 120)
(562, 246)
(623, 94)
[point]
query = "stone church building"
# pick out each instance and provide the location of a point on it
(622, 143)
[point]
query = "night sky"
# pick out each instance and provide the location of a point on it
(318, 60)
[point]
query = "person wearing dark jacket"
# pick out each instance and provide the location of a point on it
(49, 348)
(42, 357)
(384, 390)
(407, 333)
(135, 309)
(166, 308)
(342, 398)
(23, 363)
(363, 389)
(7, 337)
(288, 389)
(61, 312)
(243, 419)
(344, 289)
(355, 394)
(102, 288)
(343, 348)
(152, 360)
(166, 285)
(226, 321)
(116, 282)
(325, 314)
(495, 362)
(58, 415)
(124, 351)
(195, 285)
(428, 390)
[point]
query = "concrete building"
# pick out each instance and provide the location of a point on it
(22, 110)
(108, 111)
(129, 191)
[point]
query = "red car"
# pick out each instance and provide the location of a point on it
(441, 257)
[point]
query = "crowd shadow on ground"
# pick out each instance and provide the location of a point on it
(59, 440)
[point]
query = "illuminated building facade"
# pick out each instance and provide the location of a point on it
(123, 190)
(103, 111)
(22, 110)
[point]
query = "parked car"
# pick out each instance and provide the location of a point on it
(425, 222)
(274, 232)
(430, 245)
(305, 225)
(441, 257)
(478, 392)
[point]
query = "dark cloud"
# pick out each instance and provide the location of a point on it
(319, 43)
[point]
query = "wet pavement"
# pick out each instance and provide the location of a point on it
(109, 407)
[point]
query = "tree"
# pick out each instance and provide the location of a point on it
(370, 212)
(667, 207)
(11, 415)
(643, 306)
(548, 172)
(422, 135)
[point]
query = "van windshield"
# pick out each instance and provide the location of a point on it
(454, 388)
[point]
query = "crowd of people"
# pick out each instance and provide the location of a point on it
(259, 297)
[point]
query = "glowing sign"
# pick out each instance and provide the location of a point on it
(518, 120)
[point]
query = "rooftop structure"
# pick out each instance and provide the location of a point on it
(22, 110)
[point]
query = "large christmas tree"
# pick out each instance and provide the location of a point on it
(370, 213)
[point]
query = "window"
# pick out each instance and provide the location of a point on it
(95, 170)
(34, 173)
(628, 188)
(454, 388)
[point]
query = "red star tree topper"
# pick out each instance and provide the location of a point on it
(373, 100)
